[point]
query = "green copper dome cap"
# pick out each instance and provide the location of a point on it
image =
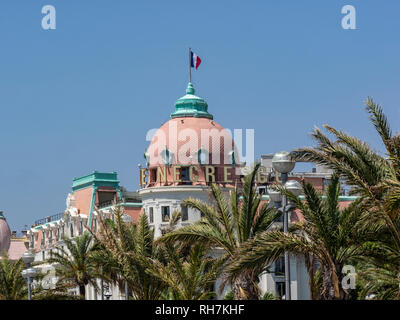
(191, 105)
(2, 215)
(190, 89)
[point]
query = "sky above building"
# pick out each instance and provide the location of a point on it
(83, 96)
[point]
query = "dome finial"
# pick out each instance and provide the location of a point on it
(190, 88)
(191, 105)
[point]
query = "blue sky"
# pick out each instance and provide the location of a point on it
(82, 97)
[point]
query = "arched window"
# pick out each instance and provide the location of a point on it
(203, 156)
(232, 157)
(167, 156)
(147, 158)
(71, 229)
(165, 213)
(185, 215)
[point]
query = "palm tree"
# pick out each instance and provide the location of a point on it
(124, 250)
(74, 264)
(378, 282)
(188, 277)
(226, 226)
(373, 177)
(328, 235)
(12, 284)
(361, 167)
(59, 292)
(378, 269)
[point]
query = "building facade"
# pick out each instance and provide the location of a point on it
(91, 195)
(185, 155)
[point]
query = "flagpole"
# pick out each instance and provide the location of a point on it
(190, 66)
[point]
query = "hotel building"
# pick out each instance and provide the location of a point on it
(185, 155)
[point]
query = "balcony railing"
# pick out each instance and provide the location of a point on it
(54, 217)
(104, 204)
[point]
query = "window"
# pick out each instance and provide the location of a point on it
(280, 266)
(185, 174)
(280, 289)
(184, 213)
(147, 157)
(232, 157)
(71, 229)
(262, 190)
(325, 183)
(95, 225)
(165, 213)
(43, 255)
(151, 215)
(167, 156)
(153, 175)
(203, 156)
(80, 227)
(106, 198)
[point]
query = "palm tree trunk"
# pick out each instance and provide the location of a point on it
(311, 277)
(245, 288)
(328, 291)
(82, 291)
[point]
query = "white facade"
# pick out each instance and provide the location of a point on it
(155, 200)
(274, 281)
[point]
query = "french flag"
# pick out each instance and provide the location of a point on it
(194, 60)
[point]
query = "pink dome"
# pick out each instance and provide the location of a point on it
(189, 140)
(5, 234)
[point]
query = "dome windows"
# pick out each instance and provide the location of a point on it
(147, 158)
(203, 156)
(232, 158)
(167, 156)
